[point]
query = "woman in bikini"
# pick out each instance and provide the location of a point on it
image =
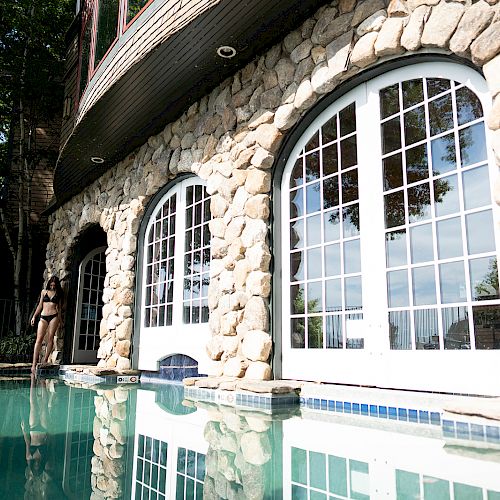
(50, 319)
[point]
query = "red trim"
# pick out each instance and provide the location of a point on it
(127, 26)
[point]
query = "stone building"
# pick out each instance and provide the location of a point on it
(284, 189)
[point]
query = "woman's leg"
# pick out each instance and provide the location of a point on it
(51, 331)
(40, 334)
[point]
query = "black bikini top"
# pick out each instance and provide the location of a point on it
(54, 299)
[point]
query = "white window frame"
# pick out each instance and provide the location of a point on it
(376, 364)
(158, 342)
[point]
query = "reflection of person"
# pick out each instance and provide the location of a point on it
(50, 319)
(39, 483)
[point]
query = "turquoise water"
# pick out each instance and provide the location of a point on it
(147, 442)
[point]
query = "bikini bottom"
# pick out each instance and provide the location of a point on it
(48, 318)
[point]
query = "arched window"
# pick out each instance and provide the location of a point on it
(175, 270)
(389, 223)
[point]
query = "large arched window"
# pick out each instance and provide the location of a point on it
(389, 223)
(175, 270)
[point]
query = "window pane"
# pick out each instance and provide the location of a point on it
(421, 243)
(350, 186)
(468, 106)
(472, 144)
(443, 154)
(476, 184)
(297, 176)
(424, 286)
(397, 288)
(487, 326)
(350, 220)
(333, 295)
(314, 297)
(85, 53)
(417, 168)
(334, 337)
(347, 119)
(480, 236)
(426, 329)
(446, 200)
(394, 209)
(296, 203)
(313, 142)
(297, 333)
(440, 115)
(348, 152)
(313, 198)
(315, 332)
(436, 86)
(399, 330)
(332, 260)
(107, 25)
(332, 225)
(452, 281)
(352, 257)
(297, 234)
(330, 192)
(419, 202)
(456, 328)
(395, 248)
(353, 294)
(449, 238)
(297, 266)
(330, 159)
(391, 135)
(414, 125)
(393, 172)
(313, 225)
(133, 8)
(312, 166)
(329, 130)
(484, 278)
(314, 268)
(389, 101)
(413, 92)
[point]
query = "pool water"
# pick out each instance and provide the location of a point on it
(147, 442)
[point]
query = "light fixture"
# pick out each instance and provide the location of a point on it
(226, 51)
(97, 159)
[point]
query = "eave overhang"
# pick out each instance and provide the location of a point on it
(159, 87)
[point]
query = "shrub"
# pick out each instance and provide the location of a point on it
(17, 348)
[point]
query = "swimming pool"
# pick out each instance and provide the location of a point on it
(149, 442)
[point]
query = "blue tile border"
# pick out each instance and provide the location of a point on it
(450, 428)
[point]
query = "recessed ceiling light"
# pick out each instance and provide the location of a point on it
(97, 159)
(226, 51)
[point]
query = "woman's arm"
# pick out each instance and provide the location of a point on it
(38, 309)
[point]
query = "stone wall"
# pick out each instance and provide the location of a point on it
(230, 138)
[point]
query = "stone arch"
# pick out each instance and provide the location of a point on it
(90, 238)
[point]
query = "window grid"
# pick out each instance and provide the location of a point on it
(151, 469)
(324, 229)
(316, 475)
(418, 485)
(82, 442)
(160, 266)
(411, 326)
(91, 312)
(190, 474)
(196, 255)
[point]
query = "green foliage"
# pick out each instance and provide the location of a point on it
(17, 348)
(32, 50)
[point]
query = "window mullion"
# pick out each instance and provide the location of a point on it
(371, 206)
(180, 230)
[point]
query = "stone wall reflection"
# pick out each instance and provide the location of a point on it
(239, 460)
(110, 438)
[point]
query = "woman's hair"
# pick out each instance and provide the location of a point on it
(55, 279)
